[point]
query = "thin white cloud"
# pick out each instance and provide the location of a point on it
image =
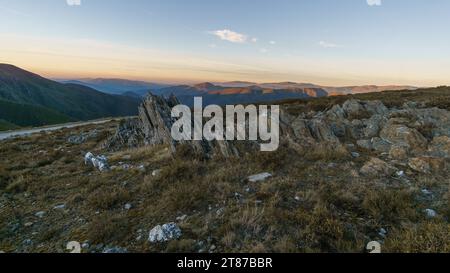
(374, 2)
(254, 40)
(263, 50)
(73, 2)
(272, 42)
(14, 12)
(230, 36)
(328, 45)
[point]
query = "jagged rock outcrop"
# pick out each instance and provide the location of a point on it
(399, 133)
(128, 135)
(156, 123)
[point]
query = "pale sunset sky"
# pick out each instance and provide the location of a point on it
(328, 42)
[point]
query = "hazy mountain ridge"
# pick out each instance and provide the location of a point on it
(118, 86)
(30, 94)
(248, 92)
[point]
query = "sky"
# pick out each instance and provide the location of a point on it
(328, 42)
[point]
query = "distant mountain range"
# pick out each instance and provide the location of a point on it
(27, 99)
(118, 86)
(247, 92)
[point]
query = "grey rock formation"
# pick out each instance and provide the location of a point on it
(156, 123)
(128, 135)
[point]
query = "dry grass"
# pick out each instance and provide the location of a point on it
(315, 202)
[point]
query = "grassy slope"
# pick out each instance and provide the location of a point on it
(431, 97)
(78, 102)
(5, 125)
(336, 209)
(23, 115)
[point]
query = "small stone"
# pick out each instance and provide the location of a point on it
(355, 154)
(427, 192)
(382, 232)
(259, 177)
(62, 206)
(156, 172)
(297, 198)
(28, 224)
(115, 250)
(182, 218)
(220, 211)
(85, 245)
(212, 248)
(40, 214)
(127, 167)
(430, 213)
(100, 162)
(128, 206)
(27, 242)
(164, 233)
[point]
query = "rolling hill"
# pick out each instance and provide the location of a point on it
(119, 86)
(28, 99)
(215, 94)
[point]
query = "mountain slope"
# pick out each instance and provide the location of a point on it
(22, 89)
(119, 86)
(214, 94)
(26, 115)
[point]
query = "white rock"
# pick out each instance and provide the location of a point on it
(62, 206)
(100, 162)
(430, 213)
(128, 206)
(164, 233)
(259, 177)
(382, 232)
(40, 214)
(182, 218)
(115, 250)
(427, 192)
(156, 172)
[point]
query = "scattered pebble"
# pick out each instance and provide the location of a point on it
(259, 177)
(40, 214)
(430, 213)
(128, 206)
(382, 232)
(182, 218)
(62, 206)
(164, 233)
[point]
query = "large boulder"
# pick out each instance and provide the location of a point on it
(440, 147)
(321, 131)
(403, 135)
(155, 114)
(426, 164)
(376, 167)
